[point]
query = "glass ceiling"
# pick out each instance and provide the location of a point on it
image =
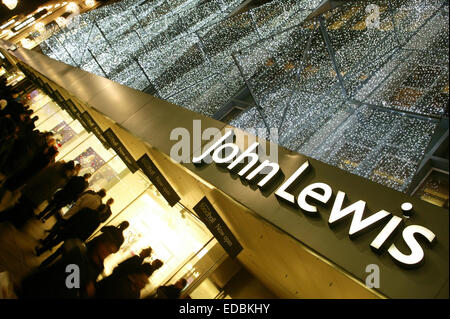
(365, 98)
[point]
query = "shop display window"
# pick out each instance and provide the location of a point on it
(91, 154)
(67, 132)
(46, 111)
(119, 183)
(38, 101)
(35, 96)
(174, 235)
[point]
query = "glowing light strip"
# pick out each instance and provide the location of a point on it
(7, 24)
(23, 24)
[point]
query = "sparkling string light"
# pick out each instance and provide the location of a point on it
(347, 111)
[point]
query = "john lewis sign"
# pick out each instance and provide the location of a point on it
(320, 193)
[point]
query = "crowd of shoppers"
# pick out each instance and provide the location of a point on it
(28, 165)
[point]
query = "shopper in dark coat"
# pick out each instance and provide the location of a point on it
(108, 204)
(5, 90)
(7, 128)
(171, 291)
(134, 263)
(81, 226)
(106, 232)
(74, 187)
(8, 137)
(39, 189)
(128, 278)
(126, 286)
(115, 230)
(26, 145)
(88, 199)
(13, 108)
(51, 282)
(42, 158)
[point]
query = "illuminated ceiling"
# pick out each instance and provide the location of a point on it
(360, 87)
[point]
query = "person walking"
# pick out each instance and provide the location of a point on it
(44, 155)
(81, 226)
(107, 206)
(52, 282)
(115, 229)
(39, 189)
(88, 199)
(124, 286)
(127, 281)
(171, 291)
(106, 231)
(134, 262)
(74, 187)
